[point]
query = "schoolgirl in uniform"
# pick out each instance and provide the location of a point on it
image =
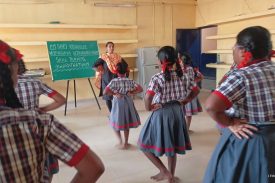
(165, 131)
(123, 114)
(193, 107)
(245, 152)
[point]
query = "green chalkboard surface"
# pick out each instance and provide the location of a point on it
(72, 59)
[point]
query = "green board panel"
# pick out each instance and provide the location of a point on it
(72, 59)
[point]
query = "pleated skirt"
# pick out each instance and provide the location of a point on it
(165, 132)
(243, 161)
(124, 114)
(192, 107)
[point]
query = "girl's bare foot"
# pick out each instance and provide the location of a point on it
(174, 180)
(162, 176)
(127, 146)
(119, 146)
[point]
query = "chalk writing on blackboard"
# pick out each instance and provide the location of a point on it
(72, 59)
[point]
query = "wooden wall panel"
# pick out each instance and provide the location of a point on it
(145, 23)
(156, 20)
(232, 16)
(163, 24)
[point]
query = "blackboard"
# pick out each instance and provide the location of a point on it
(72, 59)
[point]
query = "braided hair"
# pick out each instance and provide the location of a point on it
(21, 67)
(257, 40)
(168, 57)
(187, 59)
(7, 93)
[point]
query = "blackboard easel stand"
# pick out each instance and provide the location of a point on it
(68, 83)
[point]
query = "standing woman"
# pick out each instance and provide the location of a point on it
(245, 152)
(165, 130)
(106, 71)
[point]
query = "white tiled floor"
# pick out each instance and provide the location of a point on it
(131, 166)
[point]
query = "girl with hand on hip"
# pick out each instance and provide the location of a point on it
(123, 114)
(245, 152)
(165, 131)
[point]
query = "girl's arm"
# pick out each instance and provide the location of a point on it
(138, 89)
(58, 100)
(199, 75)
(148, 101)
(89, 169)
(108, 91)
(216, 107)
(191, 96)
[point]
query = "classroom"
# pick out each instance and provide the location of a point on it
(206, 67)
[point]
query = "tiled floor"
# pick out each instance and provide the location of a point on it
(131, 166)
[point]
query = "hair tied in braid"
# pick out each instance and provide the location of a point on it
(247, 57)
(164, 65)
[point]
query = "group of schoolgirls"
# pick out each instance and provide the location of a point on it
(171, 97)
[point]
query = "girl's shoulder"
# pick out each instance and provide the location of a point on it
(158, 75)
(124, 79)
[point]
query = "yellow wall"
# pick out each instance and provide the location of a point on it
(231, 16)
(212, 10)
(156, 20)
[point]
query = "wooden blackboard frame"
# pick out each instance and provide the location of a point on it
(72, 59)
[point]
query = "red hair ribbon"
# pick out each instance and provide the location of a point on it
(247, 61)
(165, 65)
(247, 57)
(4, 46)
(272, 54)
(18, 55)
(4, 58)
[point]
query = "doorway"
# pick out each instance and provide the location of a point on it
(195, 43)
